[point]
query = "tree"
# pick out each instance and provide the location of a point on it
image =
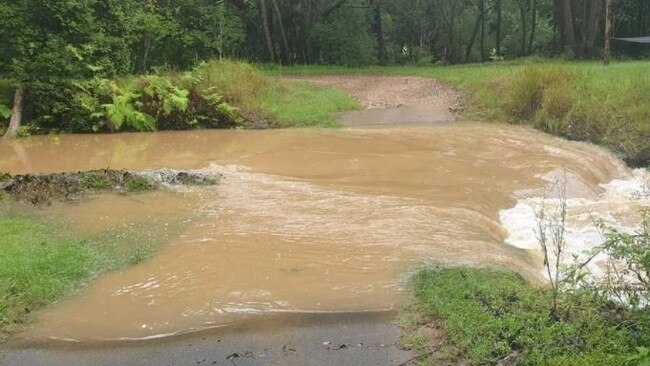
(608, 30)
(578, 23)
(267, 31)
(16, 112)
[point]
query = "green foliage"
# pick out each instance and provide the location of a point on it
(641, 358)
(25, 131)
(176, 101)
(627, 274)
(137, 183)
(36, 267)
(534, 91)
(123, 113)
(343, 40)
(490, 315)
(238, 83)
(5, 112)
(307, 105)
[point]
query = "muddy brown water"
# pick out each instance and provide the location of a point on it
(304, 221)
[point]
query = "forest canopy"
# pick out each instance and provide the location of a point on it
(68, 61)
(80, 38)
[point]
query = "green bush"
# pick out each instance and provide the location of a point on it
(343, 39)
(535, 93)
(189, 100)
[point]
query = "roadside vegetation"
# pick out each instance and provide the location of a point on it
(215, 94)
(489, 316)
(583, 101)
(495, 317)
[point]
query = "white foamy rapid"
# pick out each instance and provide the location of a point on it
(617, 206)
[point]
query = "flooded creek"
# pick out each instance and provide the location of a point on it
(314, 220)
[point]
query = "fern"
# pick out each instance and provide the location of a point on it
(177, 100)
(122, 112)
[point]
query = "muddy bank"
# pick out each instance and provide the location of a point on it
(45, 188)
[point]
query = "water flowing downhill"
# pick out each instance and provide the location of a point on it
(317, 221)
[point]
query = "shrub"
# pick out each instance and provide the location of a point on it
(540, 93)
(204, 97)
(151, 102)
(343, 39)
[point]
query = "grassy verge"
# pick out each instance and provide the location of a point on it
(39, 265)
(302, 104)
(583, 101)
(495, 317)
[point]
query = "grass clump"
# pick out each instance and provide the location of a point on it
(302, 104)
(43, 189)
(491, 316)
(136, 183)
(35, 268)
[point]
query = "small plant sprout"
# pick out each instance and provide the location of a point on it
(551, 229)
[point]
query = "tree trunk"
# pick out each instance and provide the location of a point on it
(305, 10)
(524, 27)
(533, 27)
(286, 52)
(609, 20)
(564, 20)
(475, 29)
(593, 13)
(265, 28)
(498, 31)
(482, 10)
(379, 30)
(16, 112)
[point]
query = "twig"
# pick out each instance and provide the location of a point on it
(418, 357)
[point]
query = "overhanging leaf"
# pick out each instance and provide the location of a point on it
(5, 112)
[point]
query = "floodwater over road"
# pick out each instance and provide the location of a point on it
(315, 220)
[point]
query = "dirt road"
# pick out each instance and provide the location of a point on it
(392, 100)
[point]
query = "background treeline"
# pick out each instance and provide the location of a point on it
(67, 64)
(134, 36)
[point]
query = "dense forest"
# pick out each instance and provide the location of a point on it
(133, 36)
(50, 49)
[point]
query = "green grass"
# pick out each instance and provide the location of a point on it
(301, 104)
(38, 265)
(490, 314)
(584, 101)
